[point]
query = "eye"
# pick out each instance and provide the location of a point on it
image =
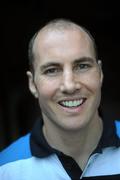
(82, 67)
(52, 71)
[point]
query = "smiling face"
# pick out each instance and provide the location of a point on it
(67, 79)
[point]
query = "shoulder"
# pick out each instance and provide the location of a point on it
(18, 150)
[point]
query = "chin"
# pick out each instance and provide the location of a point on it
(74, 126)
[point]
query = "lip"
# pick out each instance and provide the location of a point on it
(72, 98)
(76, 109)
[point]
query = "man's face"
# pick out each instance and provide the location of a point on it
(67, 79)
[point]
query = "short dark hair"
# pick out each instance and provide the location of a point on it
(58, 24)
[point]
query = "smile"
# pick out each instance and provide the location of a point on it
(72, 103)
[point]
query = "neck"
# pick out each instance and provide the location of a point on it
(76, 143)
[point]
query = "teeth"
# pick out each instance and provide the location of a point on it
(74, 103)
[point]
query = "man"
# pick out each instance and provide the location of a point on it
(69, 142)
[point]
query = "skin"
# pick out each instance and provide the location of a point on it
(65, 69)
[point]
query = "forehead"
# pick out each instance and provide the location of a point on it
(63, 42)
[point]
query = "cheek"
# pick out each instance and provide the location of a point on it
(93, 83)
(46, 88)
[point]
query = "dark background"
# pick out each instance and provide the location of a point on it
(18, 22)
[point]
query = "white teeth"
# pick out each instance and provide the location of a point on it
(73, 103)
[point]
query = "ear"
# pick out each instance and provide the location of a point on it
(101, 71)
(32, 86)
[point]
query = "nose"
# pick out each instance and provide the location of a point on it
(69, 83)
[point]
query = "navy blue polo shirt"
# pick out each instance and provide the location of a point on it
(31, 157)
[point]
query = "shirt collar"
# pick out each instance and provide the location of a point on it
(109, 137)
(40, 147)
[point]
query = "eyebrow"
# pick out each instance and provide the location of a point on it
(80, 60)
(84, 59)
(48, 65)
